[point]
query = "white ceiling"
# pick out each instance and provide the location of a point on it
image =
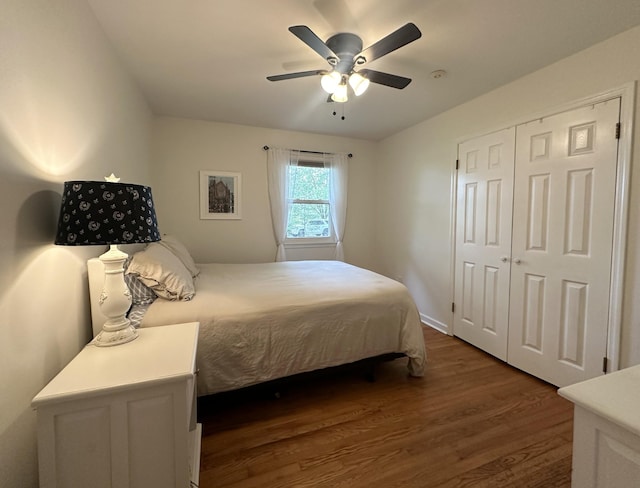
(208, 59)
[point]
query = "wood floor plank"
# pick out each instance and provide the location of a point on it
(471, 421)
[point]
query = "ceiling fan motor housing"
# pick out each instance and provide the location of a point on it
(345, 46)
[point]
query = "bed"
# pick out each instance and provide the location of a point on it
(260, 322)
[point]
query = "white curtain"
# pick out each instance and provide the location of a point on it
(278, 161)
(338, 198)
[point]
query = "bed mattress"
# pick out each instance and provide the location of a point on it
(259, 322)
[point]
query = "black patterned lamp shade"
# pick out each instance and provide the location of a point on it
(102, 212)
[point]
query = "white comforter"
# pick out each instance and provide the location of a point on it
(260, 322)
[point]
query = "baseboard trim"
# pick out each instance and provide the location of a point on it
(434, 324)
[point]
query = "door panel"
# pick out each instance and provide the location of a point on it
(483, 246)
(562, 243)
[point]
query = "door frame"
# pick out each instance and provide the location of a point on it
(626, 93)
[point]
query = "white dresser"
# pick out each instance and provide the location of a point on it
(606, 430)
(123, 416)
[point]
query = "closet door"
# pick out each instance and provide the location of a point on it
(483, 241)
(562, 243)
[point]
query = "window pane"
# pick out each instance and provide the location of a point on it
(308, 183)
(308, 220)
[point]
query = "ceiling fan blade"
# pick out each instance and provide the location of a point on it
(401, 37)
(307, 36)
(394, 81)
(299, 74)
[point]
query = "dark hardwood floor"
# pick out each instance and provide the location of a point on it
(472, 421)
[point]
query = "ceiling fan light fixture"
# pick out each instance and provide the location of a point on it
(330, 81)
(340, 94)
(358, 83)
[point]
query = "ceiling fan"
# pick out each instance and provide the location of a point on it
(344, 53)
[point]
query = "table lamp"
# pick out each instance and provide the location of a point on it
(94, 213)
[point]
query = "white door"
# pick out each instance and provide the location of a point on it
(483, 242)
(562, 243)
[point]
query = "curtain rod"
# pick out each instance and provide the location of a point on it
(308, 152)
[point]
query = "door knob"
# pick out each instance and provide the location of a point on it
(504, 259)
(517, 261)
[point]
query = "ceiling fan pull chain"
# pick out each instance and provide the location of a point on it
(334, 113)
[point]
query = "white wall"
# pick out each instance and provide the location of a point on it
(416, 166)
(67, 111)
(181, 148)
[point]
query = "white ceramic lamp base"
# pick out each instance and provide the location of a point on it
(115, 301)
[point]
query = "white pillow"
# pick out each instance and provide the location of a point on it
(181, 252)
(159, 269)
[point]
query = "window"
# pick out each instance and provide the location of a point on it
(306, 197)
(309, 213)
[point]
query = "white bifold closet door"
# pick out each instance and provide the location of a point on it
(561, 200)
(483, 241)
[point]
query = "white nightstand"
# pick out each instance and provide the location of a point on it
(606, 430)
(123, 416)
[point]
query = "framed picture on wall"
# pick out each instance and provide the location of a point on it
(220, 195)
